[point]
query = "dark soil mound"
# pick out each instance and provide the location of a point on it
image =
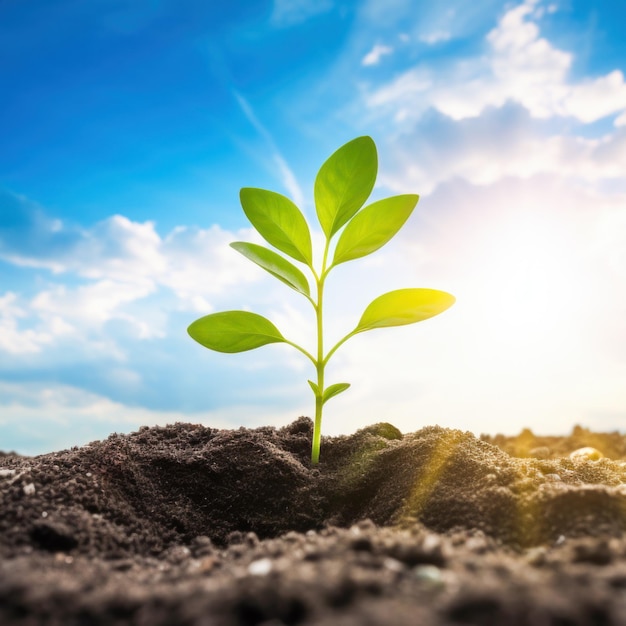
(192, 525)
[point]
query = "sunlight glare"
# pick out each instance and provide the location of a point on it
(528, 281)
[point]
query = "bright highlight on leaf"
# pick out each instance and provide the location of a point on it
(404, 306)
(342, 187)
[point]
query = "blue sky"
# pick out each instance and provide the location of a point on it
(128, 128)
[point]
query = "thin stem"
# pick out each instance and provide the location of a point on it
(326, 270)
(300, 349)
(317, 425)
(320, 363)
(317, 278)
(337, 345)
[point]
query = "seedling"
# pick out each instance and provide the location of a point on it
(342, 186)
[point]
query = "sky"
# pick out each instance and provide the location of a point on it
(128, 128)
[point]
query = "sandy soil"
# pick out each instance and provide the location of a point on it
(192, 526)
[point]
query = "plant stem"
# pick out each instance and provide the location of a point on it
(339, 343)
(317, 426)
(320, 363)
(300, 349)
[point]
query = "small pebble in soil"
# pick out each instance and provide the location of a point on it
(553, 477)
(261, 567)
(429, 574)
(586, 454)
(177, 554)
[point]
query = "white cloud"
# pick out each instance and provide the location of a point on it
(526, 67)
(92, 305)
(118, 264)
(598, 98)
(202, 265)
(120, 249)
(519, 66)
(505, 114)
(500, 143)
(534, 73)
(16, 340)
(404, 90)
(374, 56)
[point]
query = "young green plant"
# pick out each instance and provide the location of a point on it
(342, 186)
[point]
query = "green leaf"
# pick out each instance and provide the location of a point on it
(329, 392)
(316, 389)
(234, 331)
(344, 183)
(372, 227)
(404, 306)
(275, 264)
(334, 390)
(279, 221)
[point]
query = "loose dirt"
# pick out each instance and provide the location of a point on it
(192, 526)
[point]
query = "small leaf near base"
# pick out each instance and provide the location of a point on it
(334, 390)
(316, 389)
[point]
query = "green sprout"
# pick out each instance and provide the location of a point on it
(343, 184)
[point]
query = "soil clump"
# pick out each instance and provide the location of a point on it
(196, 526)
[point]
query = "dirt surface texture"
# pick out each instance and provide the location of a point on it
(187, 525)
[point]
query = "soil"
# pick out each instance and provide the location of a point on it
(192, 526)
